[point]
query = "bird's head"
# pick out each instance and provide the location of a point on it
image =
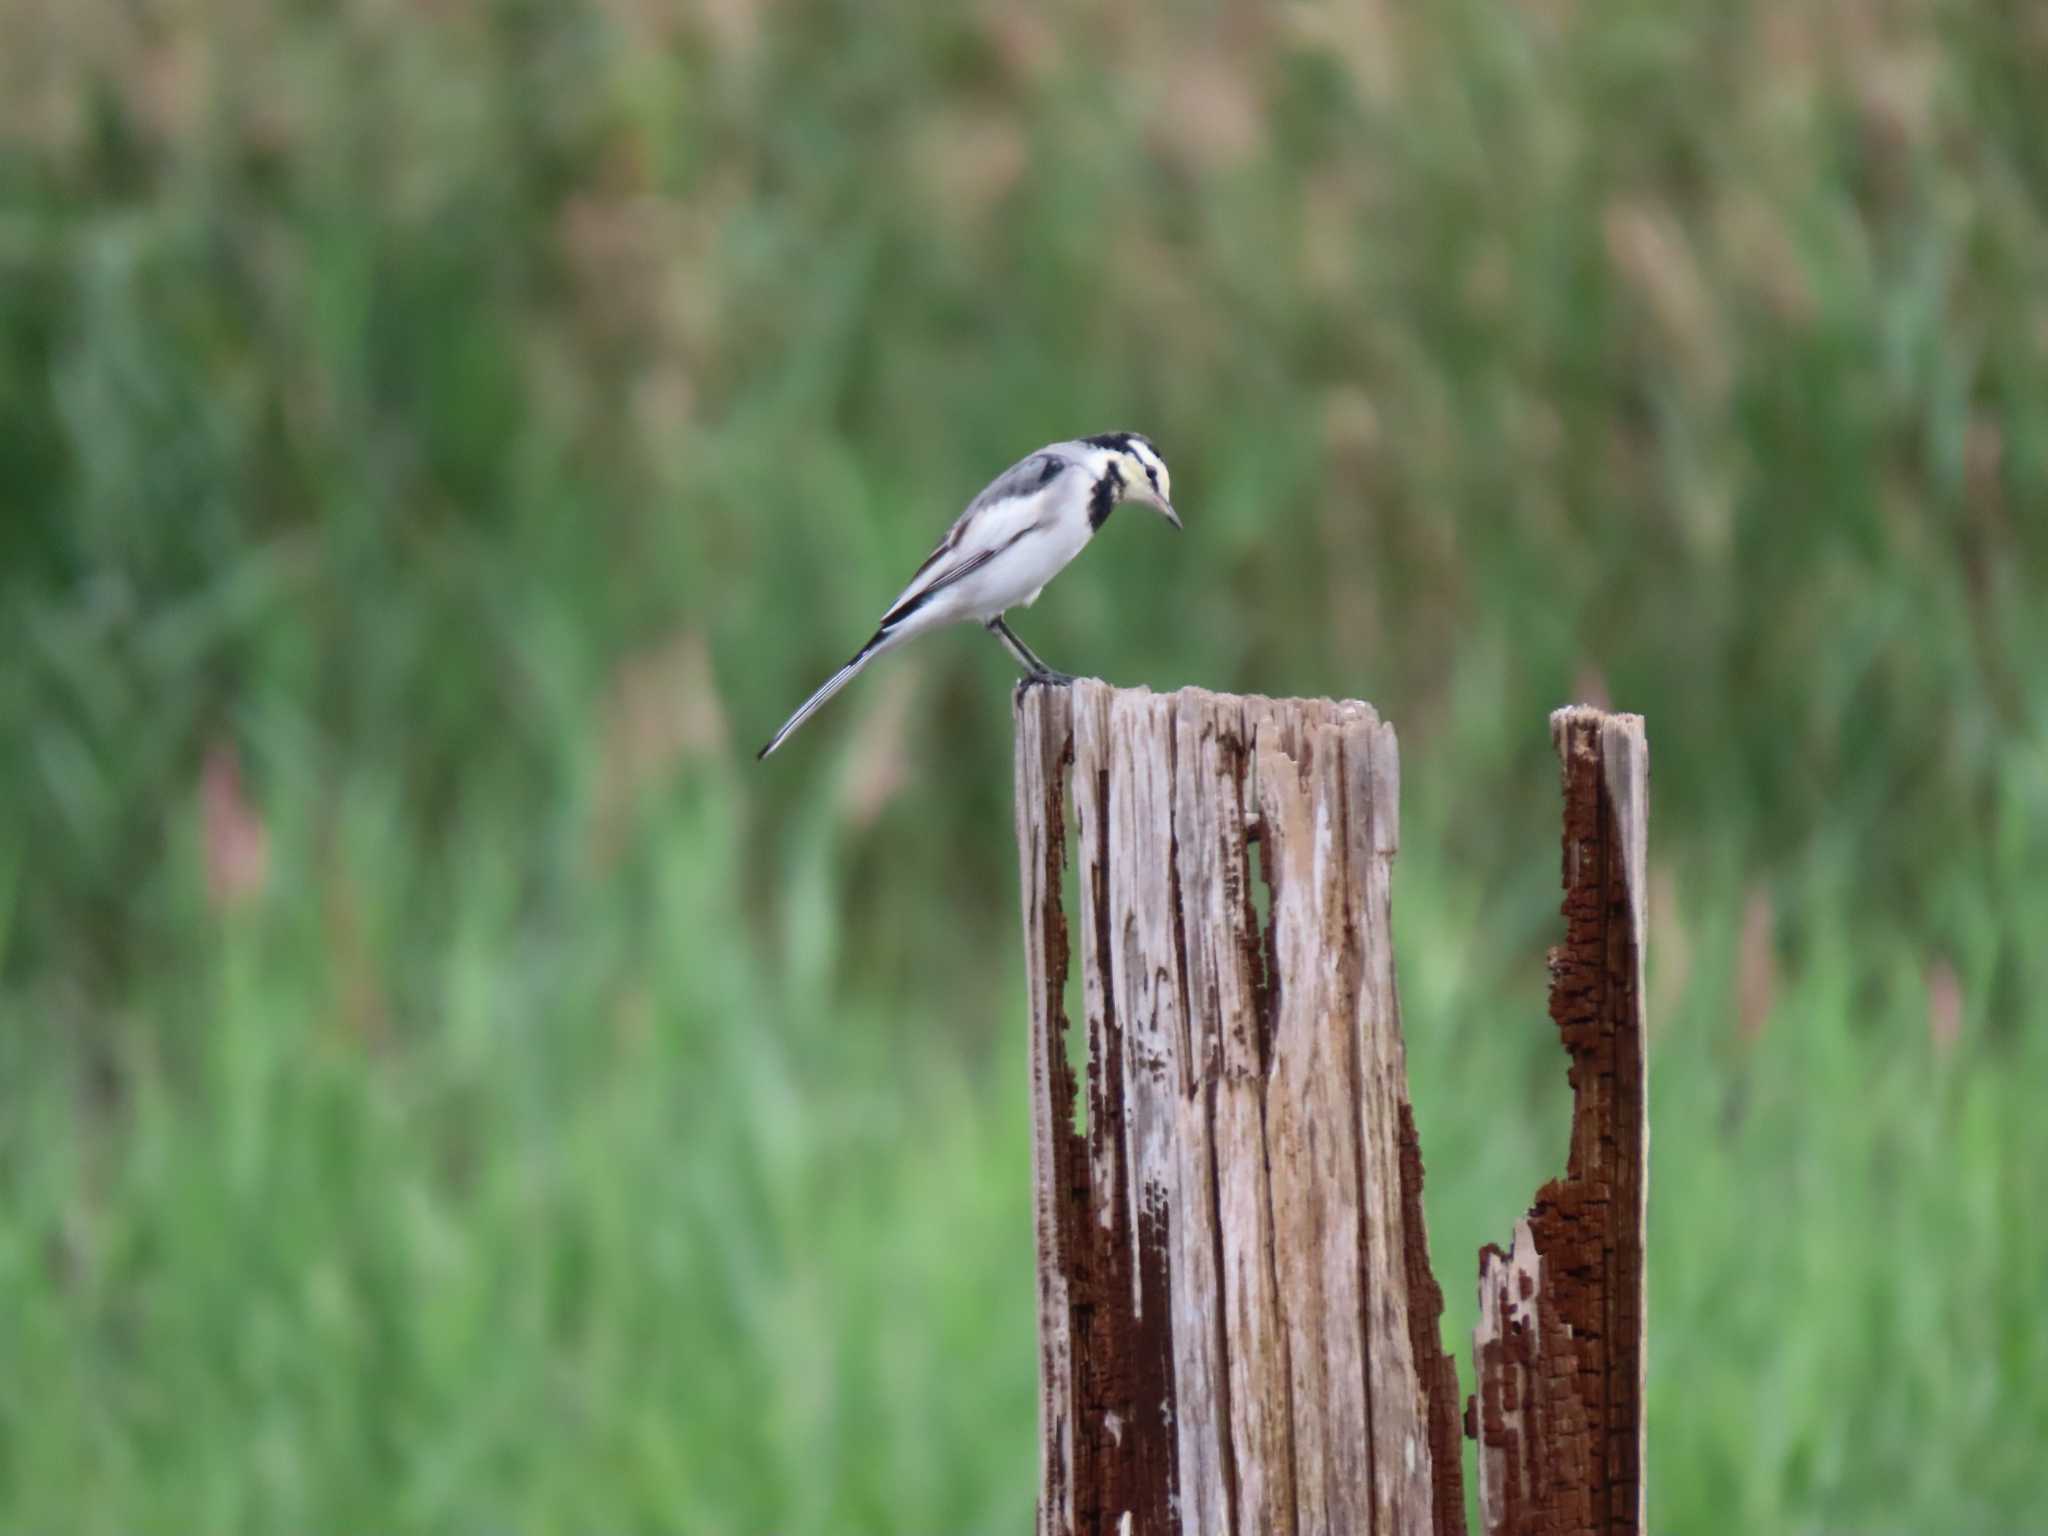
(1139, 472)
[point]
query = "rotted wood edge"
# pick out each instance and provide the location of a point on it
(1559, 1346)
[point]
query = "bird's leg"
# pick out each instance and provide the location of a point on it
(1035, 671)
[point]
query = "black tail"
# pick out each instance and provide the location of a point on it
(831, 685)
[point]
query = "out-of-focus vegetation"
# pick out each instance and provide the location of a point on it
(445, 1085)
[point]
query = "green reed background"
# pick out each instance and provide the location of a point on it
(445, 1085)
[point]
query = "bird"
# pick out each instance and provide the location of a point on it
(1014, 537)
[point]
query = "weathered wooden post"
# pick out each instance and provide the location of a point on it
(1237, 1322)
(1238, 1326)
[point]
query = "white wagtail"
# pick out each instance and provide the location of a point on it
(1013, 538)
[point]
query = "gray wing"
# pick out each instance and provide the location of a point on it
(957, 554)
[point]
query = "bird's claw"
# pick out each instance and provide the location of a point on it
(1046, 678)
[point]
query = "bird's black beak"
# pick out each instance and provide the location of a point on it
(1166, 511)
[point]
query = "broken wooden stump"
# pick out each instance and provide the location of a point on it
(1559, 1343)
(1238, 1324)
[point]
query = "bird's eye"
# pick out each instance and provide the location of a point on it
(1152, 475)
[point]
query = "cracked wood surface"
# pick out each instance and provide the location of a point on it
(1238, 1329)
(1559, 1343)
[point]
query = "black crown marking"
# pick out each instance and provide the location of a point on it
(1119, 441)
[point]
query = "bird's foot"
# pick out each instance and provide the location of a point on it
(1043, 678)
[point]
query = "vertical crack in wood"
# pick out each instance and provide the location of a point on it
(1242, 831)
(1117, 1425)
(1189, 1075)
(1226, 1450)
(1559, 1344)
(1287, 1462)
(1045, 748)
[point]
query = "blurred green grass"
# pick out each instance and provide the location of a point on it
(445, 1086)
